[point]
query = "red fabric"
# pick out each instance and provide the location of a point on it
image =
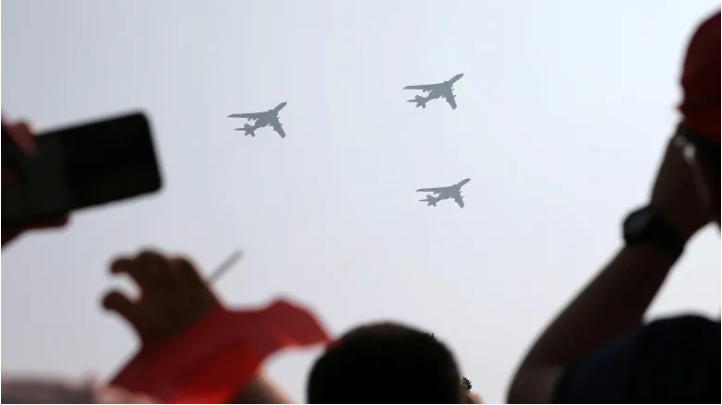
(701, 80)
(219, 354)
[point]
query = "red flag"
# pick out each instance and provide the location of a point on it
(220, 354)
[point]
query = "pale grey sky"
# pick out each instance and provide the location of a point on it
(563, 112)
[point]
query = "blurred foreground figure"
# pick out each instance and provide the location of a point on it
(386, 363)
(597, 351)
(56, 391)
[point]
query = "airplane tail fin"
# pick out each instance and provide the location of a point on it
(419, 100)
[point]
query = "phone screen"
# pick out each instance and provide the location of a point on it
(109, 161)
(80, 167)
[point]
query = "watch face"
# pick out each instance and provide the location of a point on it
(638, 221)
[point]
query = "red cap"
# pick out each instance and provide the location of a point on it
(701, 80)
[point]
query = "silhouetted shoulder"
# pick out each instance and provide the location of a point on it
(674, 360)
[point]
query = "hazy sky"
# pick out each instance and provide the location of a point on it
(563, 112)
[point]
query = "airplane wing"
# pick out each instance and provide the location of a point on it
(424, 87)
(450, 98)
(276, 125)
(459, 200)
(436, 190)
(250, 116)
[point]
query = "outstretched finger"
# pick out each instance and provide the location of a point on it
(135, 269)
(141, 319)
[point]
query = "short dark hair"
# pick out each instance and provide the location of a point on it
(385, 363)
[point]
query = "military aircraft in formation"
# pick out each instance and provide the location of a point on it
(444, 193)
(435, 91)
(262, 119)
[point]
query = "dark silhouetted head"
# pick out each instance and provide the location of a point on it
(385, 363)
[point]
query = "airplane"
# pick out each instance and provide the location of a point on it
(262, 119)
(444, 193)
(438, 90)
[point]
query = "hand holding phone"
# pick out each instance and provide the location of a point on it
(22, 135)
(79, 167)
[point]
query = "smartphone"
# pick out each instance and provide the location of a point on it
(79, 167)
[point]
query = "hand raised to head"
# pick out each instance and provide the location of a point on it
(675, 193)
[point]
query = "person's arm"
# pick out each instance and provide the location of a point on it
(612, 305)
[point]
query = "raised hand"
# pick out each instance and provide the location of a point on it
(22, 135)
(173, 296)
(675, 193)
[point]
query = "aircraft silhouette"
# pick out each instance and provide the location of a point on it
(262, 119)
(444, 193)
(438, 90)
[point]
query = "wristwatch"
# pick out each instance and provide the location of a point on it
(647, 226)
